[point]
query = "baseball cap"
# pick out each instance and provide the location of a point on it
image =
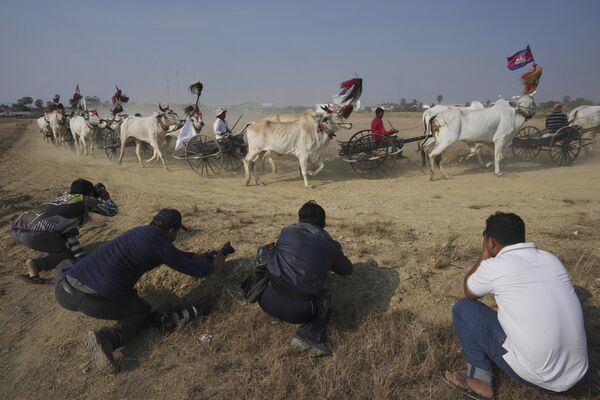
(220, 111)
(168, 218)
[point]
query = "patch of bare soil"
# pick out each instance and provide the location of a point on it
(411, 241)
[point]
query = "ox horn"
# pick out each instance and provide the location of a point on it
(160, 108)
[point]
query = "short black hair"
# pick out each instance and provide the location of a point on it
(82, 186)
(312, 213)
(505, 228)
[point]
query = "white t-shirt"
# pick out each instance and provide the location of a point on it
(220, 127)
(539, 312)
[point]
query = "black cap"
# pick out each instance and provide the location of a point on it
(82, 186)
(168, 218)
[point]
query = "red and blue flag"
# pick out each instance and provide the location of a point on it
(520, 59)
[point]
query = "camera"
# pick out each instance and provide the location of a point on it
(99, 189)
(226, 250)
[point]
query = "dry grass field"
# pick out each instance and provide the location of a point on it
(411, 241)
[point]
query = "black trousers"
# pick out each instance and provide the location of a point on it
(132, 313)
(51, 243)
(295, 311)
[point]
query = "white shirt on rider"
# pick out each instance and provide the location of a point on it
(220, 127)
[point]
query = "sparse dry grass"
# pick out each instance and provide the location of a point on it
(446, 254)
(389, 355)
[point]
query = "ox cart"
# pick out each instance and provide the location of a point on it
(373, 155)
(563, 146)
(208, 156)
(110, 141)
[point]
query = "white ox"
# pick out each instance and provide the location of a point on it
(151, 130)
(44, 126)
(586, 117)
(475, 148)
(495, 125)
(84, 128)
(280, 118)
(305, 138)
(52, 125)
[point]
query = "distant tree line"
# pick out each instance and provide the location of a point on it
(542, 107)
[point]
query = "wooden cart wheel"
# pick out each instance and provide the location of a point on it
(370, 154)
(99, 137)
(232, 161)
(526, 143)
(231, 155)
(565, 146)
(204, 155)
(112, 145)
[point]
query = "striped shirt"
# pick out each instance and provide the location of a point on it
(555, 121)
(64, 213)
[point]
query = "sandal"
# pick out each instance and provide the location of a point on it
(34, 280)
(462, 385)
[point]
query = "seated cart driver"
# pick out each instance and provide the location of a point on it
(222, 131)
(556, 119)
(377, 127)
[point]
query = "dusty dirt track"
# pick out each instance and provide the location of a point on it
(412, 241)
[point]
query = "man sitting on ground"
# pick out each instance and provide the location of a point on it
(304, 255)
(556, 120)
(53, 227)
(101, 285)
(537, 336)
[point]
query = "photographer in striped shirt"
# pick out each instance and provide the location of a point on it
(53, 227)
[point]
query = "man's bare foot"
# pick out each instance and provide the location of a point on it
(32, 268)
(460, 380)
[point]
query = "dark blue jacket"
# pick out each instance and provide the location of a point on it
(305, 254)
(115, 267)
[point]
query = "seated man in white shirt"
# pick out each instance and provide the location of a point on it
(222, 131)
(220, 126)
(537, 335)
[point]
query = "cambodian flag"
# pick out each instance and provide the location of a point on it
(520, 59)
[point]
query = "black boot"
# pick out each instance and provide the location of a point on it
(101, 349)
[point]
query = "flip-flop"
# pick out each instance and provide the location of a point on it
(34, 280)
(464, 387)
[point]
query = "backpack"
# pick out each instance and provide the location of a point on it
(256, 282)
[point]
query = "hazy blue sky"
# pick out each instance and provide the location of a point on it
(295, 52)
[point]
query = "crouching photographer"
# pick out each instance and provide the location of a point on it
(102, 284)
(293, 275)
(53, 227)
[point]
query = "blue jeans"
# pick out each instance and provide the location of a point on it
(481, 337)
